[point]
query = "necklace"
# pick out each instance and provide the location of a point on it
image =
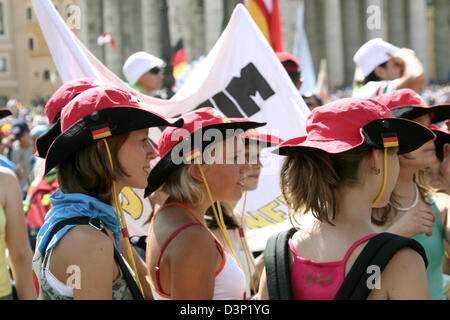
(412, 206)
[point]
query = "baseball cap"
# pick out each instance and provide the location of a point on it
(285, 57)
(19, 127)
(372, 54)
(139, 63)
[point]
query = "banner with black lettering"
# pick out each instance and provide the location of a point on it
(241, 76)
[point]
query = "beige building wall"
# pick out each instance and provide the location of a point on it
(13, 59)
(335, 29)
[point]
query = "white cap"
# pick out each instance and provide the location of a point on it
(139, 63)
(372, 54)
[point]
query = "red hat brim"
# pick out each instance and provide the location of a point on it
(411, 136)
(120, 119)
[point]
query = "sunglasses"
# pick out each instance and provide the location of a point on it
(155, 70)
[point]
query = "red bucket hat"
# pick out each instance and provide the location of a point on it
(192, 141)
(99, 113)
(442, 138)
(53, 107)
(407, 104)
(4, 112)
(265, 140)
(345, 124)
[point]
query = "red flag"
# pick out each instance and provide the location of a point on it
(266, 14)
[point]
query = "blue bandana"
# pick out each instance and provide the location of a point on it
(70, 205)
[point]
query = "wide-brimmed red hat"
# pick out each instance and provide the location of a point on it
(407, 104)
(262, 139)
(53, 107)
(442, 138)
(345, 124)
(4, 112)
(191, 140)
(99, 113)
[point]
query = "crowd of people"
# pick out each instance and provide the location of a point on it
(369, 184)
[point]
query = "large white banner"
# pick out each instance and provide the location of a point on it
(241, 76)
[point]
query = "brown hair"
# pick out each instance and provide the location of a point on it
(89, 170)
(309, 179)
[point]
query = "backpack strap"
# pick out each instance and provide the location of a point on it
(378, 252)
(276, 257)
(98, 224)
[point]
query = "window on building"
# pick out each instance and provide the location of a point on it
(2, 19)
(46, 75)
(29, 14)
(31, 44)
(3, 65)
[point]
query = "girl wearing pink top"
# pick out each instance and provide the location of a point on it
(347, 164)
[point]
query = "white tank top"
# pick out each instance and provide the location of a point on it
(230, 283)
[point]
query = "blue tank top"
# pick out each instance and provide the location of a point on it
(434, 249)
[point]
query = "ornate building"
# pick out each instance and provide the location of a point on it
(335, 30)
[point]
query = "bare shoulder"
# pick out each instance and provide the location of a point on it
(405, 276)
(86, 241)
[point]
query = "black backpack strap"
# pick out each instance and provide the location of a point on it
(378, 252)
(278, 274)
(97, 224)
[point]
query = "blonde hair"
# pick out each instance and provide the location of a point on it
(181, 186)
(381, 215)
(89, 171)
(310, 179)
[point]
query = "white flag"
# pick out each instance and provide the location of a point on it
(302, 53)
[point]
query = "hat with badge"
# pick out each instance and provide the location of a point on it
(96, 114)
(179, 146)
(407, 104)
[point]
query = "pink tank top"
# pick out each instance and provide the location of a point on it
(313, 280)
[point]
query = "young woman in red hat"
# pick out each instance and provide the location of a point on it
(201, 164)
(231, 231)
(103, 146)
(346, 164)
(414, 210)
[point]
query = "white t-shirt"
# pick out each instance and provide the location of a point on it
(374, 89)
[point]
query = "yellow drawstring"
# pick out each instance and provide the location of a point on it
(248, 255)
(218, 216)
(380, 194)
(122, 222)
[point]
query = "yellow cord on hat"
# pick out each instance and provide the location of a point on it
(122, 222)
(218, 216)
(380, 194)
(248, 255)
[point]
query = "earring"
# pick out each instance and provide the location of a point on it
(378, 171)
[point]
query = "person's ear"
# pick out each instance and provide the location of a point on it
(376, 161)
(195, 173)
